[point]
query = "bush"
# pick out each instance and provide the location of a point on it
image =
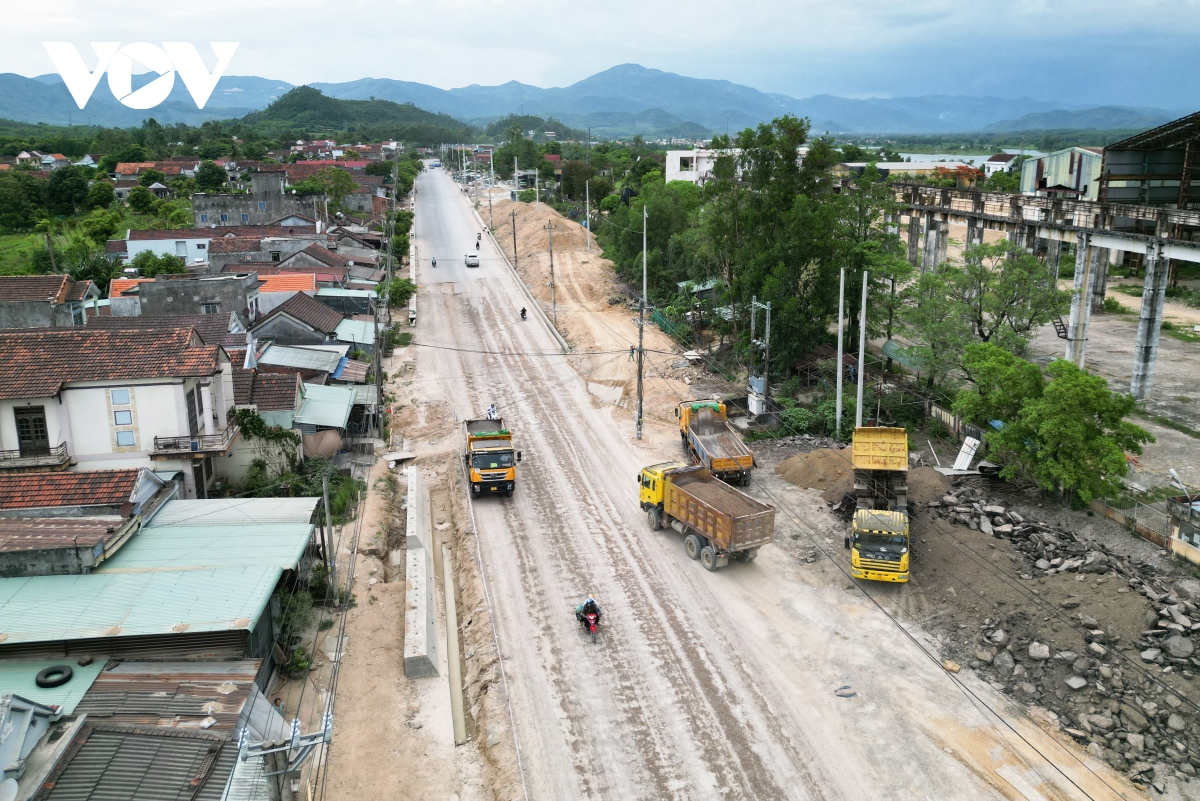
(527, 196)
(141, 200)
(1113, 306)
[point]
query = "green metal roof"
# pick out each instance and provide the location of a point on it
(900, 353)
(325, 406)
(162, 548)
(17, 678)
(241, 511)
(359, 332)
(55, 608)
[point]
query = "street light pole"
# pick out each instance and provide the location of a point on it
(587, 212)
(841, 368)
(553, 305)
(862, 352)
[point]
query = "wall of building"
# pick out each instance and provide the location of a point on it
(1073, 167)
(192, 249)
(266, 202)
(283, 330)
(180, 296)
(35, 314)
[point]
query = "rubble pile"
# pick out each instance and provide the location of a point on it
(806, 441)
(1129, 701)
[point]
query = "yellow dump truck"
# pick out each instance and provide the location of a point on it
(706, 435)
(879, 541)
(718, 521)
(491, 460)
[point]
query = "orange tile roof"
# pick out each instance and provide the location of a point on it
(82, 488)
(132, 167)
(288, 282)
(119, 285)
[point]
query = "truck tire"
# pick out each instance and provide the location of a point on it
(692, 546)
(654, 518)
(708, 558)
(746, 556)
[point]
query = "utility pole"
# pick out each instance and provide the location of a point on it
(491, 184)
(840, 366)
(765, 343)
(587, 211)
(862, 349)
(550, 226)
(642, 329)
(516, 187)
(378, 377)
(514, 219)
(330, 548)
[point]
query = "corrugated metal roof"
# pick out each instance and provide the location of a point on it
(100, 605)
(192, 547)
(356, 331)
(366, 394)
(303, 358)
(325, 406)
(18, 678)
(242, 511)
(338, 292)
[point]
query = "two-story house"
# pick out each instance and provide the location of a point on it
(93, 399)
(44, 301)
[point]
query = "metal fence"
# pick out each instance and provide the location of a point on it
(1147, 520)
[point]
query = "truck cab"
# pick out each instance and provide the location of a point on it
(490, 458)
(879, 545)
(652, 485)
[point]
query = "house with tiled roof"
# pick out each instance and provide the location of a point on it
(276, 288)
(97, 398)
(299, 320)
(266, 201)
(315, 256)
(220, 294)
(44, 301)
(213, 329)
(54, 161)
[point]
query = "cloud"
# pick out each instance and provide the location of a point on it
(1070, 51)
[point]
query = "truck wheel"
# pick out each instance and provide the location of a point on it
(747, 556)
(708, 558)
(746, 481)
(654, 518)
(692, 546)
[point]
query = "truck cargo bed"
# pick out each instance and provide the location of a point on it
(720, 495)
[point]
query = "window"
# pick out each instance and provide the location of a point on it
(123, 417)
(33, 437)
(126, 439)
(275, 254)
(245, 218)
(200, 246)
(120, 397)
(262, 205)
(687, 163)
(203, 218)
(210, 308)
(224, 217)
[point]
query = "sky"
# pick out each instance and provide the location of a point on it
(1073, 52)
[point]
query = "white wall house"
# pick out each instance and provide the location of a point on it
(696, 166)
(94, 399)
(191, 245)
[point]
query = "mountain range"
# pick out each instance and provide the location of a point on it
(620, 101)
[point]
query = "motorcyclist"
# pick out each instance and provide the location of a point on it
(434, 261)
(478, 236)
(522, 312)
(588, 607)
(492, 412)
(477, 244)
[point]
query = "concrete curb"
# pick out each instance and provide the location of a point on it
(533, 302)
(420, 628)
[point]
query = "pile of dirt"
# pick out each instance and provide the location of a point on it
(826, 469)
(926, 484)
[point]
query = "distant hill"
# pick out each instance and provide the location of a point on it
(1104, 118)
(652, 123)
(306, 108)
(693, 106)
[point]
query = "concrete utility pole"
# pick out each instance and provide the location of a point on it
(491, 185)
(516, 182)
(642, 328)
(587, 211)
(330, 548)
(553, 305)
(837, 433)
(378, 377)
(764, 343)
(862, 352)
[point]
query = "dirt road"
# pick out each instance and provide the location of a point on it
(703, 686)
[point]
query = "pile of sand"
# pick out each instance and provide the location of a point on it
(830, 471)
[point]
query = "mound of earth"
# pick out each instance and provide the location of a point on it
(829, 470)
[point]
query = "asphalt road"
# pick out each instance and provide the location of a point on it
(703, 686)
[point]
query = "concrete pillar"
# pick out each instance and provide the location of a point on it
(943, 243)
(206, 402)
(1081, 306)
(914, 234)
(1054, 257)
(1099, 278)
(1145, 352)
(970, 239)
(930, 248)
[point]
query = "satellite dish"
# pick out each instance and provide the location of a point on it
(8, 790)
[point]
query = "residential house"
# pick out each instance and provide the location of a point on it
(348, 302)
(299, 320)
(326, 276)
(70, 522)
(95, 398)
(275, 288)
(276, 398)
(30, 158)
(314, 255)
(268, 200)
(1000, 162)
(190, 244)
(206, 294)
(965, 173)
(44, 301)
(1072, 172)
(324, 417)
(124, 296)
(88, 160)
(223, 329)
(54, 161)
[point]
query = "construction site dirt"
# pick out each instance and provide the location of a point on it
(1065, 612)
(777, 679)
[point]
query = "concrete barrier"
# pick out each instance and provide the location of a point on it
(420, 628)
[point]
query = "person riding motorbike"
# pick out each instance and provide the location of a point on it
(492, 412)
(588, 607)
(522, 312)
(477, 244)
(434, 261)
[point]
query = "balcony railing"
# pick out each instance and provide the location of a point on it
(196, 443)
(41, 457)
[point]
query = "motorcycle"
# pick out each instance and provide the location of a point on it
(433, 262)
(590, 621)
(477, 245)
(522, 314)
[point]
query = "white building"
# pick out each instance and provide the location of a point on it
(95, 399)
(189, 244)
(696, 166)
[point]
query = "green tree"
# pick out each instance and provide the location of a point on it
(935, 325)
(1072, 438)
(210, 177)
(22, 200)
(141, 200)
(100, 195)
(1001, 385)
(384, 168)
(148, 264)
(151, 177)
(575, 174)
(129, 154)
(333, 182)
(399, 291)
(66, 191)
(100, 225)
(1001, 181)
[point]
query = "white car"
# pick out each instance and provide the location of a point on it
(471, 260)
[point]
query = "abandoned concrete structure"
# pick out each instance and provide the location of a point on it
(172, 295)
(267, 202)
(1157, 220)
